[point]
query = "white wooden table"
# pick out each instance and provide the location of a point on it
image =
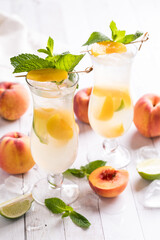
(71, 22)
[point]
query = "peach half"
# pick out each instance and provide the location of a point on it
(108, 182)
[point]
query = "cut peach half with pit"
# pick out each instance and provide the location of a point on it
(108, 182)
(109, 47)
(47, 74)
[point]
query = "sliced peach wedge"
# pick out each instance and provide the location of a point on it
(58, 128)
(108, 182)
(107, 47)
(47, 74)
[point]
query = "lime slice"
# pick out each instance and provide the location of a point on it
(41, 116)
(122, 105)
(16, 207)
(149, 169)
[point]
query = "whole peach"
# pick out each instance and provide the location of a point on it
(81, 102)
(14, 100)
(15, 153)
(147, 115)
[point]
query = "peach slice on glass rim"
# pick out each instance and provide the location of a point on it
(47, 74)
(108, 182)
(107, 47)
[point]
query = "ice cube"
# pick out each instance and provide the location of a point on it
(152, 195)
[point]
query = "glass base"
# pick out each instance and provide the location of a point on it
(118, 157)
(68, 191)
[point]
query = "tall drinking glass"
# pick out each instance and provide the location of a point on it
(110, 107)
(54, 138)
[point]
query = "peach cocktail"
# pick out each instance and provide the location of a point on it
(54, 135)
(110, 107)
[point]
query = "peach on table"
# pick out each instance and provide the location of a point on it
(14, 100)
(15, 153)
(147, 115)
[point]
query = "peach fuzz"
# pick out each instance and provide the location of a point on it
(14, 100)
(15, 153)
(81, 102)
(108, 182)
(147, 115)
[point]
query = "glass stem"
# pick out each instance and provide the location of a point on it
(110, 145)
(55, 180)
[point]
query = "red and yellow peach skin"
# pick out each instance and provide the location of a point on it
(15, 153)
(14, 100)
(147, 115)
(81, 102)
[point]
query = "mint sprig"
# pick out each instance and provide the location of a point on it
(49, 48)
(86, 170)
(57, 206)
(27, 62)
(116, 36)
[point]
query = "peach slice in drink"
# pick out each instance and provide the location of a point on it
(115, 100)
(114, 131)
(59, 128)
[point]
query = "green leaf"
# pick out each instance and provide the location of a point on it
(117, 35)
(75, 172)
(69, 208)
(55, 205)
(28, 62)
(68, 62)
(50, 45)
(66, 214)
(96, 37)
(122, 105)
(79, 220)
(43, 51)
(90, 167)
(131, 37)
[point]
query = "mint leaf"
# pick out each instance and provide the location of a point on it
(68, 62)
(66, 214)
(117, 35)
(122, 105)
(55, 205)
(43, 51)
(27, 62)
(75, 172)
(50, 45)
(79, 220)
(49, 48)
(131, 37)
(90, 167)
(96, 37)
(86, 170)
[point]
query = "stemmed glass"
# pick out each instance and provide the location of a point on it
(54, 138)
(110, 107)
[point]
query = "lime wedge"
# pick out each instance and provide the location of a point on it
(16, 207)
(122, 105)
(149, 169)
